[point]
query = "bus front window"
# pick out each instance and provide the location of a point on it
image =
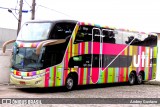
(25, 59)
(34, 32)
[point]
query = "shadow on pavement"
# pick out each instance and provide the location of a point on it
(62, 89)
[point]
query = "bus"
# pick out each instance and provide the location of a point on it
(70, 53)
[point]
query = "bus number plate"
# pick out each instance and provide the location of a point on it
(22, 82)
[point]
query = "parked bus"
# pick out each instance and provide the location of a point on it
(69, 53)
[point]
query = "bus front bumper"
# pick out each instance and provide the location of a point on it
(29, 82)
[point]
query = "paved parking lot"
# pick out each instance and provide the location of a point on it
(118, 90)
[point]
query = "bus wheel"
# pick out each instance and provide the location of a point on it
(132, 78)
(139, 78)
(69, 83)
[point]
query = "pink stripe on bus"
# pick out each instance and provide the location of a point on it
(113, 49)
(95, 75)
(96, 48)
(47, 78)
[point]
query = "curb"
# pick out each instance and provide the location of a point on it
(152, 82)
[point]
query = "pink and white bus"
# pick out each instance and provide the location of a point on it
(69, 53)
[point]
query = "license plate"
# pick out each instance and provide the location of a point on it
(22, 82)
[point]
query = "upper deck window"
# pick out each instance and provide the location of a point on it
(34, 31)
(84, 34)
(62, 30)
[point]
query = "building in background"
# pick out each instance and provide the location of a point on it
(7, 34)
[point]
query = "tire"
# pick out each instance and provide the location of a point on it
(132, 78)
(140, 78)
(70, 83)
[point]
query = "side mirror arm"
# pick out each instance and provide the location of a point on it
(47, 43)
(5, 44)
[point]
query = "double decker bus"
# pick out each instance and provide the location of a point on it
(69, 53)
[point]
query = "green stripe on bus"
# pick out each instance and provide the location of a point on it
(86, 47)
(110, 75)
(102, 73)
(85, 76)
(51, 77)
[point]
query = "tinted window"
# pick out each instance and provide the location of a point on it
(143, 40)
(85, 61)
(107, 59)
(136, 39)
(84, 34)
(108, 36)
(54, 54)
(62, 31)
(96, 34)
(80, 61)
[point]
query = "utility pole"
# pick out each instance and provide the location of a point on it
(20, 16)
(33, 9)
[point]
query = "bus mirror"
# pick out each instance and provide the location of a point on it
(5, 44)
(47, 43)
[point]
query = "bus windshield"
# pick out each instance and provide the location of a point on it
(25, 59)
(34, 31)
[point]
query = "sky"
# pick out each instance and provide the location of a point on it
(139, 15)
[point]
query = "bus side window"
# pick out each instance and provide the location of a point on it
(80, 61)
(115, 63)
(109, 36)
(119, 37)
(84, 34)
(123, 59)
(96, 34)
(95, 62)
(62, 31)
(128, 38)
(149, 40)
(105, 60)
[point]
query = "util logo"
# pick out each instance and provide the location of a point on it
(143, 60)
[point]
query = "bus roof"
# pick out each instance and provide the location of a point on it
(120, 29)
(52, 21)
(90, 24)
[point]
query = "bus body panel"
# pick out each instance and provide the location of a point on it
(140, 60)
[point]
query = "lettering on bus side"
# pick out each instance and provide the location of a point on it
(143, 59)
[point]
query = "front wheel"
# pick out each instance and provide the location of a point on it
(70, 83)
(132, 78)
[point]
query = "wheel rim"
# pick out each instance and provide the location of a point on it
(139, 79)
(131, 79)
(69, 83)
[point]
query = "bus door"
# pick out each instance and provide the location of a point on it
(96, 54)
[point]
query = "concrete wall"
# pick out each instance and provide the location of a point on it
(7, 34)
(4, 66)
